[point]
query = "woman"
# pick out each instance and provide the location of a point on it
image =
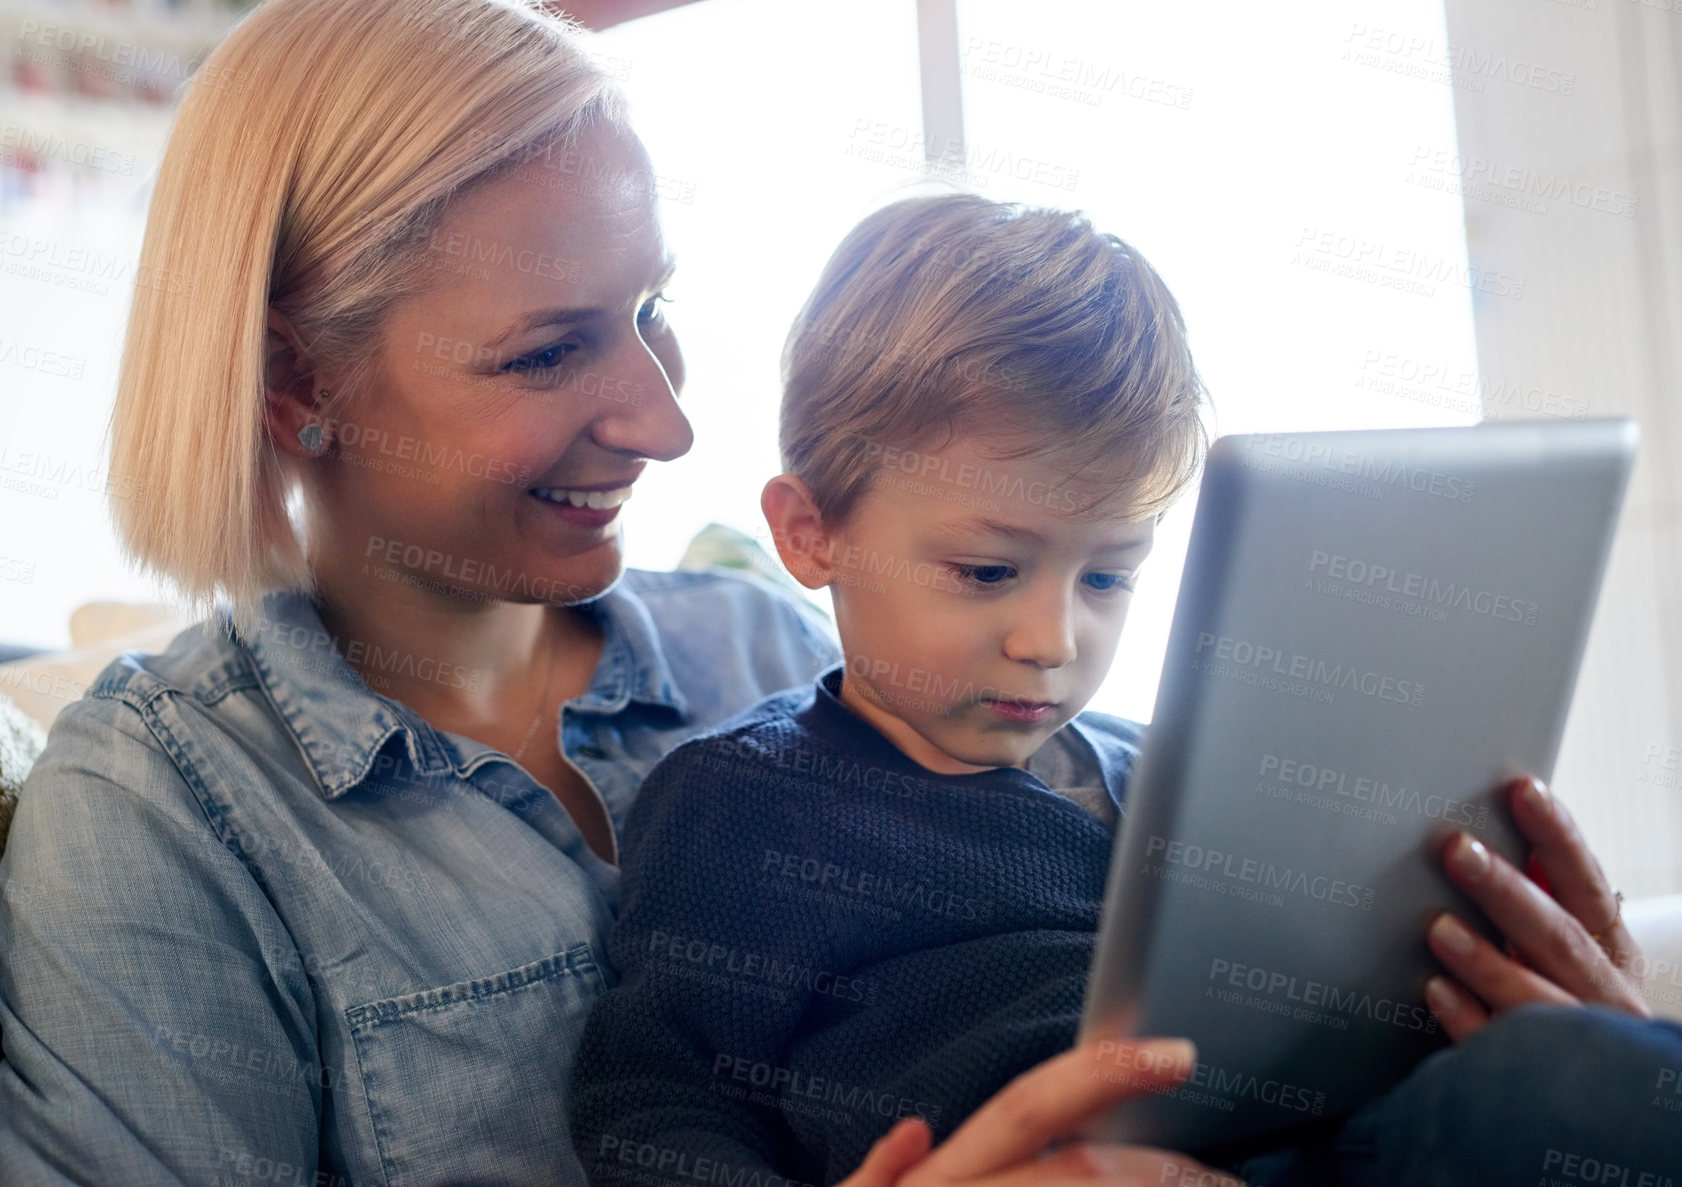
(315, 895)
(317, 887)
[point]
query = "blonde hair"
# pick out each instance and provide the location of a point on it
(959, 313)
(313, 149)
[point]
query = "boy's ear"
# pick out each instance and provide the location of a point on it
(797, 530)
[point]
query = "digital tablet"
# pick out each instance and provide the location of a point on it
(1375, 630)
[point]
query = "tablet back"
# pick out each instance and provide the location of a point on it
(1375, 630)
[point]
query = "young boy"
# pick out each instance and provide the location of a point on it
(876, 896)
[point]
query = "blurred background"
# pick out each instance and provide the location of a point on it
(1373, 214)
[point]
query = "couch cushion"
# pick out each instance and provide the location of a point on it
(21, 740)
(1656, 924)
(42, 685)
(93, 623)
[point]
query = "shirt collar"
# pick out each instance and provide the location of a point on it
(341, 725)
(829, 718)
(633, 664)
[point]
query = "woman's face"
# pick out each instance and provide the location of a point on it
(535, 373)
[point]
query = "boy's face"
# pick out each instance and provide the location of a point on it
(976, 615)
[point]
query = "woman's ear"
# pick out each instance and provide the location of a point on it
(289, 395)
(797, 530)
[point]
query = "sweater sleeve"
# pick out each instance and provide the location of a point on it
(714, 978)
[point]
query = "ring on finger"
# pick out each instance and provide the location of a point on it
(1599, 937)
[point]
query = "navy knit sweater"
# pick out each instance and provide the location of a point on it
(818, 936)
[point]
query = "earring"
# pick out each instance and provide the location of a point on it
(310, 435)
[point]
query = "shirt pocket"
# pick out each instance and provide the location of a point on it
(467, 1083)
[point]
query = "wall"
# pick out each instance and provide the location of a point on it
(1570, 129)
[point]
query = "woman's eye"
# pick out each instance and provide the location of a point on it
(984, 574)
(1105, 582)
(650, 312)
(546, 359)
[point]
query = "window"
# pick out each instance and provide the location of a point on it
(1291, 184)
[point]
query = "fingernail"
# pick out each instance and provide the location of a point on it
(1173, 1056)
(1108, 1161)
(1172, 1053)
(1536, 795)
(1452, 934)
(1440, 997)
(1129, 1056)
(1469, 856)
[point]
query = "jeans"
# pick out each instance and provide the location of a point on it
(1542, 1096)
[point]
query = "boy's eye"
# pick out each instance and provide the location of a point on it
(1105, 582)
(650, 312)
(546, 359)
(984, 574)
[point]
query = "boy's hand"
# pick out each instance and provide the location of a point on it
(1011, 1141)
(1566, 942)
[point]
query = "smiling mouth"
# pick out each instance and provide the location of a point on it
(596, 500)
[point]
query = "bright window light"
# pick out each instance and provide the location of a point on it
(1294, 187)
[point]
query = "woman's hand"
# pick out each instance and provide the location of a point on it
(1566, 941)
(1009, 1140)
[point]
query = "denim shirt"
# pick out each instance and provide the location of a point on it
(260, 924)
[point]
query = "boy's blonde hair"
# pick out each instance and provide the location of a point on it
(313, 150)
(1021, 324)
